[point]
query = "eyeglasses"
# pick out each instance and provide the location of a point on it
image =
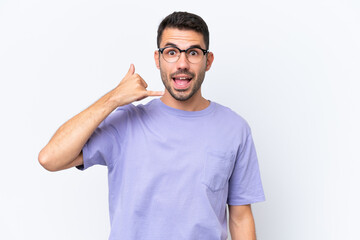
(193, 54)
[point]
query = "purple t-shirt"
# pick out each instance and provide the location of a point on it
(172, 172)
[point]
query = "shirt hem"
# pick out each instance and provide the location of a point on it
(245, 202)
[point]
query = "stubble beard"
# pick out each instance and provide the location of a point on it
(180, 94)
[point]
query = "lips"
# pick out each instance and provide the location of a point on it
(182, 82)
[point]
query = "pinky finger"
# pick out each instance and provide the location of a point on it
(155, 93)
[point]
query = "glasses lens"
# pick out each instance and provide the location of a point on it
(194, 55)
(171, 54)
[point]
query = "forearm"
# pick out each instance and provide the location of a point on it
(242, 228)
(68, 141)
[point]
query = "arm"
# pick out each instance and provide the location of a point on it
(64, 149)
(241, 223)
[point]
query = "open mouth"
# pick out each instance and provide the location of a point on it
(182, 82)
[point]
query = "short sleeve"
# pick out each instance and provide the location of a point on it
(104, 144)
(245, 185)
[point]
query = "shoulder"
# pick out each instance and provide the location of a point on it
(226, 115)
(120, 114)
(131, 111)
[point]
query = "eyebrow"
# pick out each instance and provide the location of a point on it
(170, 44)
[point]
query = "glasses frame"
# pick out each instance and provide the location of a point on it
(161, 50)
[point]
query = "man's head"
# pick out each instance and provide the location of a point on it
(184, 21)
(183, 72)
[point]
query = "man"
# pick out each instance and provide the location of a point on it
(173, 163)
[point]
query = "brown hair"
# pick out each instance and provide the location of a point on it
(184, 20)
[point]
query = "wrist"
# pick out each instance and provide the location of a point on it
(109, 102)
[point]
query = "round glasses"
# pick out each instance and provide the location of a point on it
(172, 54)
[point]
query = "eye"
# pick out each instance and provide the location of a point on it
(171, 52)
(194, 52)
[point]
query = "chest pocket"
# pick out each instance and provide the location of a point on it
(217, 169)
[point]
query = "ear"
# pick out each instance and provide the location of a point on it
(157, 58)
(210, 59)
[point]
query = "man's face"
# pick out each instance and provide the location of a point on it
(182, 79)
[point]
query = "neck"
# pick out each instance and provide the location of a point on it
(195, 103)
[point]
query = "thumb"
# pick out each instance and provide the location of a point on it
(131, 70)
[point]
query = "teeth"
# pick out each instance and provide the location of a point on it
(183, 78)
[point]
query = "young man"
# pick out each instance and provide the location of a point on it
(174, 163)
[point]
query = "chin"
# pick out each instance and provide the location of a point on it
(181, 95)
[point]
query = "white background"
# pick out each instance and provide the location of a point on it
(290, 68)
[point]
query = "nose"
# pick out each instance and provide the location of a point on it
(182, 63)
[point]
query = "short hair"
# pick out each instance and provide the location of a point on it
(184, 20)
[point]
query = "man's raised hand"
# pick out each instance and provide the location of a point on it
(132, 88)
